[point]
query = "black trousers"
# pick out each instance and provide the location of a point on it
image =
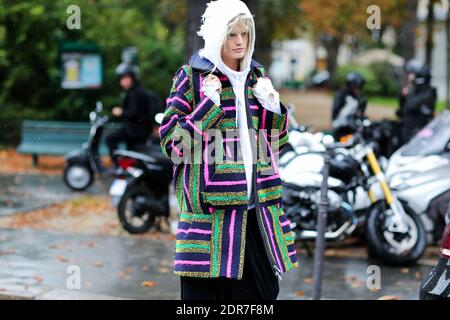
(258, 280)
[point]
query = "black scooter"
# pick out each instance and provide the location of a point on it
(141, 190)
(81, 165)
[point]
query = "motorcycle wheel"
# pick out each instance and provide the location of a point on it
(134, 215)
(78, 176)
(396, 249)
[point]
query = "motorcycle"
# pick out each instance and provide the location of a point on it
(359, 197)
(141, 190)
(82, 165)
(419, 174)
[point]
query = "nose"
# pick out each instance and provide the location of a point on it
(239, 39)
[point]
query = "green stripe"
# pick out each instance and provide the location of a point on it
(226, 198)
(211, 117)
(216, 240)
(191, 246)
(280, 237)
(195, 216)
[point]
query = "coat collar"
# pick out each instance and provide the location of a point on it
(200, 63)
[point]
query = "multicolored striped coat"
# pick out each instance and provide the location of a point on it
(212, 195)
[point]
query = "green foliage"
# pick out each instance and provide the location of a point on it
(32, 31)
(381, 79)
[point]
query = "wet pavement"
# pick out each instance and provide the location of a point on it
(20, 192)
(34, 264)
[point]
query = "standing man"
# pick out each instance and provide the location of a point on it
(138, 111)
(418, 105)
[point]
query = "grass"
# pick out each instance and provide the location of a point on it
(390, 102)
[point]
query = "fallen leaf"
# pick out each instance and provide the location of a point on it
(62, 259)
(38, 279)
(98, 264)
(418, 275)
(299, 293)
(164, 270)
(308, 280)
(144, 268)
(389, 298)
(149, 284)
(404, 270)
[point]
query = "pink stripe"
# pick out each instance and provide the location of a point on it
(291, 253)
(201, 86)
(264, 118)
(274, 163)
(194, 127)
(229, 108)
(185, 103)
(287, 222)
(175, 116)
(227, 183)
(228, 152)
(199, 231)
(192, 262)
(205, 159)
(269, 227)
(230, 245)
(178, 151)
(199, 107)
(273, 177)
(254, 107)
(182, 83)
(223, 78)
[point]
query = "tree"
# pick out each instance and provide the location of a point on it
(332, 21)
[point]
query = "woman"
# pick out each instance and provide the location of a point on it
(233, 239)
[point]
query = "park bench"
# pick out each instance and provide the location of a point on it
(57, 137)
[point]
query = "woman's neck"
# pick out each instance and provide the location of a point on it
(233, 64)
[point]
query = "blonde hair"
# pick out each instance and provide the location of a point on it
(247, 22)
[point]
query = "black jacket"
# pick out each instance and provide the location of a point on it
(340, 100)
(418, 107)
(139, 109)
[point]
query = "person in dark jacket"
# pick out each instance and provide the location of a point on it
(418, 105)
(138, 111)
(348, 104)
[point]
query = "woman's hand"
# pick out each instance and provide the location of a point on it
(212, 87)
(266, 94)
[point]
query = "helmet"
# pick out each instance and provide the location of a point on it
(422, 72)
(423, 75)
(355, 80)
(126, 69)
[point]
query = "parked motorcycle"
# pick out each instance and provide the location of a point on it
(141, 190)
(82, 165)
(359, 196)
(419, 174)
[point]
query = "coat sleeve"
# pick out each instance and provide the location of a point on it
(185, 123)
(275, 124)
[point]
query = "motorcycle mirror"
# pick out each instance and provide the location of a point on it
(92, 116)
(159, 118)
(99, 106)
(328, 140)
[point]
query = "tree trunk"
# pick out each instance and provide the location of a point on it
(406, 32)
(430, 32)
(195, 9)
(332, 45)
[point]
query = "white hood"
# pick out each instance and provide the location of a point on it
(214, 29)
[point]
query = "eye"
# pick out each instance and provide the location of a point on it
(244, 34)
(232, 35)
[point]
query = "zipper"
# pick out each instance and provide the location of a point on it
(275, 268)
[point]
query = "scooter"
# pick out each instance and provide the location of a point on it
(419, 174)
(358, 195)
(82, 165)
(141, 190)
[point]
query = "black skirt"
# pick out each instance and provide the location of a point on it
(258, 280)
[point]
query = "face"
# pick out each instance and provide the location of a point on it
(126, 82)
(235, 46)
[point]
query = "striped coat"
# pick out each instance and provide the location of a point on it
(212, 195)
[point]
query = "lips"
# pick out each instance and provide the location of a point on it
(239, 50)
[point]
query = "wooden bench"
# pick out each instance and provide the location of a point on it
(57, 138)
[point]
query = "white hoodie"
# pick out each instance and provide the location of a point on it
(214, 31)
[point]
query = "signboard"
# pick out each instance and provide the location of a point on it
(81, 70)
